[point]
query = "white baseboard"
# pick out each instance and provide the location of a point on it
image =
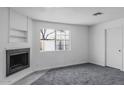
(40, 67)
(97, 62)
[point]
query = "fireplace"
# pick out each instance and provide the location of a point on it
(16, 60)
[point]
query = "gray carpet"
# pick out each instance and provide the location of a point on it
(85, 74)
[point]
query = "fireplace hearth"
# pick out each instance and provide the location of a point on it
(17, 60)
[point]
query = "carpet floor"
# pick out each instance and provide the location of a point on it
(84, 74)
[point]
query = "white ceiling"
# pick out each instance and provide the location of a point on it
(73, 15)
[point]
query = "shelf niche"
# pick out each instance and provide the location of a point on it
(18, 28)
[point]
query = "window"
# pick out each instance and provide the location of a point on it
(54, 40)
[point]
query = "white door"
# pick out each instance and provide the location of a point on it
(114, 47)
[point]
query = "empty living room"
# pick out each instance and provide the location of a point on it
(61, 46)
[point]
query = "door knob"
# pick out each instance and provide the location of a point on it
(119, 50)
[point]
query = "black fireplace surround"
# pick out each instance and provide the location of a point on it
(16, 60)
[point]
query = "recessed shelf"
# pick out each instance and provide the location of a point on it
(18, 36)
(18, 27)
(14, 29)
(17, 40)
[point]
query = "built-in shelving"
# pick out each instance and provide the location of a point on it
(18, 36)
(18, 30)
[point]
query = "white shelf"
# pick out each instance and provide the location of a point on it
(14, 29)
(18, 27)
(17, 40)
(16, 35)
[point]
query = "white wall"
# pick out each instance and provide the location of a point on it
(79, 47)
(97, 40)
(4, 45)
(41, 60)
(96, 45)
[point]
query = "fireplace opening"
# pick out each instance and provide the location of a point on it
(17, 59)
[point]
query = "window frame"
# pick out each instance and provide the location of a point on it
(56, 40)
